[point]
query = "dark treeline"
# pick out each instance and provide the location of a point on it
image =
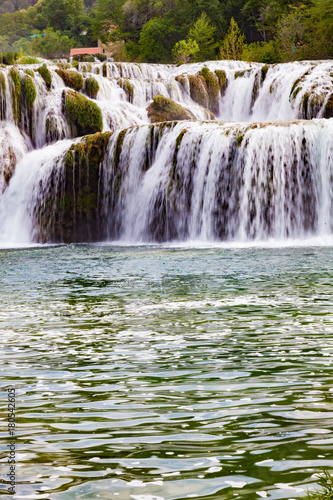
(267, 31)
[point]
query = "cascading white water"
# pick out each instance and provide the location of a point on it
(204, 181)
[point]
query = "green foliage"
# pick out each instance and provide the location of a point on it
(165, 109)
(203, 33)
(9, 58)
(157, 39)
(30, 73)
(263, 52)
(233, 44)
(184, 50)
(15, 26)
(28, 60)
(326, 483)
(92, 87)
(72, 79)
(63, 15)
(5, 46)
(292, 33)
(101, 57)
(13, 5)
(45, 74)
(85, 114)
(30, 91)
(51, 45)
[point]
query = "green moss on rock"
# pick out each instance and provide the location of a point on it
(213, 89)
(222, 77)
(30, 91)
(72, 212)
(92, 87)
(72, 79)
(165, 109)
(239, 140)
(264, 70)
(2, 82)
(105, 70)
(16, 93)
(30, 73)
(328, 113)
(128, 88)
(182, 80)
(45, 73)
(84, 114)
(198, 90)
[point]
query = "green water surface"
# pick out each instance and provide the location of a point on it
(156, 373)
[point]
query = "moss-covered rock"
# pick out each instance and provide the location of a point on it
(3, 101)
(92, 87)
(182, 80)
(45, 73)
(29, 90)
(328, 113)
(101, 57)
(30, 73)
(222, 78)
(165, 109)
(72, 79)
(213, 89)
(16, 93)
(125, 84)
(105, 70)
(72, 211)
(264, 70)
(198, 90)
(84, 114)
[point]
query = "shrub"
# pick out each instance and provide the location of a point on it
(92, 87)
(28, 60)
(9, 57)
(72, 79)
(263, 52)
(85, 114)
(184, 50)
(45, 74)
(101, 57)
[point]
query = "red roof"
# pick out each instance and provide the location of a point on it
(91, 50)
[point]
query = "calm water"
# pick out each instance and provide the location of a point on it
(158, 373)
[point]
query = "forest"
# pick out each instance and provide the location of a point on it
(166, 31)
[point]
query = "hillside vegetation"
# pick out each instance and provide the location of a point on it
(267, 31)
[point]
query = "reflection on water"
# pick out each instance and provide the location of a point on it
(155, 373)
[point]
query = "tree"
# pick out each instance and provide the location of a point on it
(233, 44)
(107, 13)
(51, 44)
(64, 15)
(14, 26)
(157, 38)
(184, 50)
(203, 33)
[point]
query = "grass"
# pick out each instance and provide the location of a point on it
(325, 481)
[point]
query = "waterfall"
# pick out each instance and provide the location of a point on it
(262, 169)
